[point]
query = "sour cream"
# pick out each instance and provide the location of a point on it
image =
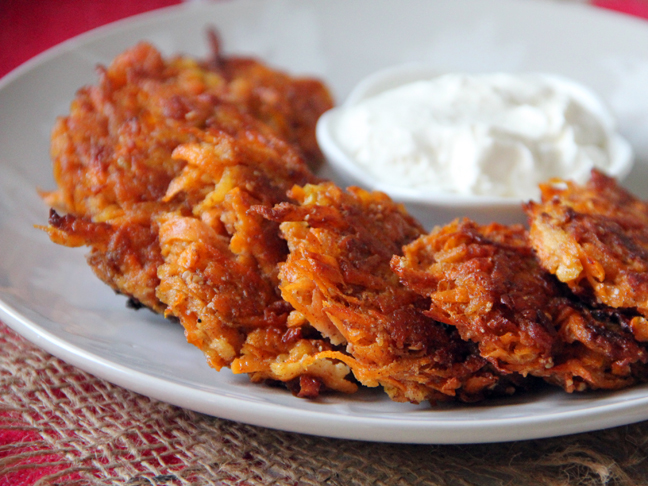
(490, 134)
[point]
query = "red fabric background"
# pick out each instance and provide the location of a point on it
(638, 8)
(28, 27)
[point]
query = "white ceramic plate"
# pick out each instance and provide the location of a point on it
(48, 294)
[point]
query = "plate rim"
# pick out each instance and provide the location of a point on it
(372, 429)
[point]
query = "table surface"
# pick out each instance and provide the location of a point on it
(60, 425)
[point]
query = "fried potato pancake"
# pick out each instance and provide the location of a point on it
(219, 275)
(290, 106)
(594, 238)
(113, 159)
(338, 279)
(486, 281)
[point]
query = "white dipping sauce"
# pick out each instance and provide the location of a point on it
(489, 134)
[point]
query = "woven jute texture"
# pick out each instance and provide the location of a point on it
(87, 431)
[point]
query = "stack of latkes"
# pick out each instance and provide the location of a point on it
(193, 185)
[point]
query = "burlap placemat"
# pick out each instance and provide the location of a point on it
(71, 428)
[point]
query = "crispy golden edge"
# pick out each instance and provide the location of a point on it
(219, 275)
(594, 238)
(113, 155)
(486, 281)
(338, 277)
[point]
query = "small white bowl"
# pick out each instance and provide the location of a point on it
(433, 208)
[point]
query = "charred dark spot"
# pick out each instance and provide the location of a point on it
(133, 303)
(58, 221)
(305, 386)
(292, 335)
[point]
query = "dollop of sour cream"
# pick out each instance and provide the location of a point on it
(488, 134)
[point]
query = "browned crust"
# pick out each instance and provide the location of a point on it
(338, 277)
(594, 238)
(486, 281)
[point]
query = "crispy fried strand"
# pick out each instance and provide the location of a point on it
(289, 106)
(338, 278)
(113, 155)
(486, 281)
(594, 238)
(219, 275)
